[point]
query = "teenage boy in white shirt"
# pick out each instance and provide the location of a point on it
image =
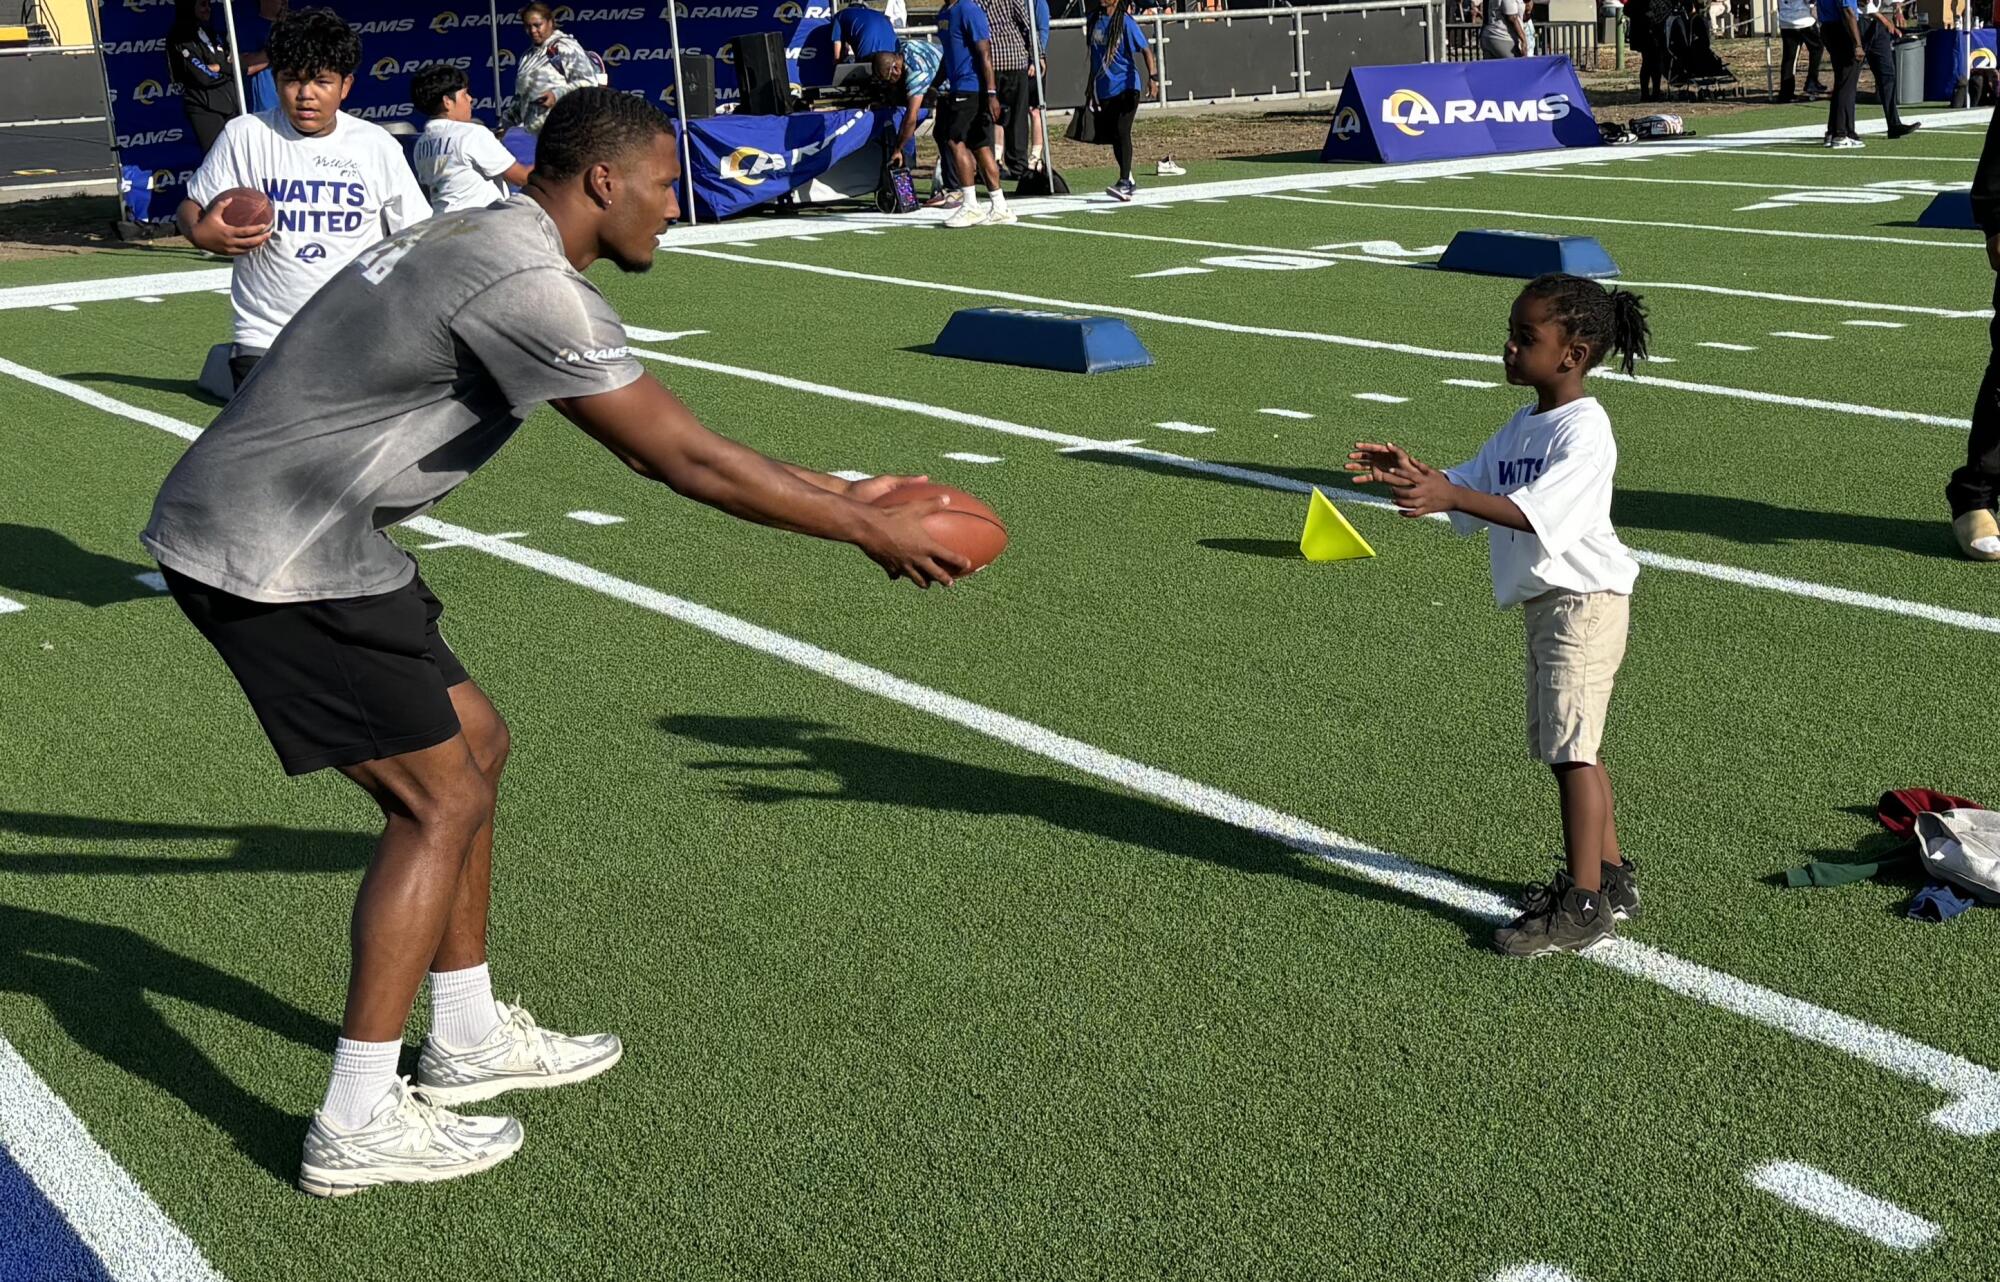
(459, 164)
(1543, 483)
(338, 184)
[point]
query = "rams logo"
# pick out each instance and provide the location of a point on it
(789, 12)
(384, 68)
(749, 166)
(1983, 58)
(1414, 107)
(615, 54)
(507, 59)
(564, 15)
(444, 23)
(726, 54)
(149, 91)
(1346, 122)
(1406, 109)
(312, 253)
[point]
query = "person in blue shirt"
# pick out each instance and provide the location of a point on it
(859, 33)
(1840, 32)
(1117, 85)
(909, 72)
(254, 19)
(968, 109)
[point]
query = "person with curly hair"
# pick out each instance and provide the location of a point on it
(337, 183)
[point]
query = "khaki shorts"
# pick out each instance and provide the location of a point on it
(1576, 641)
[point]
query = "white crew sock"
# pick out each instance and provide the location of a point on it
(968, 197)
(999, 200)
(462, 1013)
(363, 1072)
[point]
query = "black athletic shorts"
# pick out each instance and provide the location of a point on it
(966, 118)
(334, 682)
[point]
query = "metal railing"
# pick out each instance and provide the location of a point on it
(1575, 40)
(1254, 55)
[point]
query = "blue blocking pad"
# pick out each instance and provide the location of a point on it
(1525, 254)
(1041, 340)
(1951, 210)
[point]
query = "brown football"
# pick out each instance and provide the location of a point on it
(968, 527)
(243, 207)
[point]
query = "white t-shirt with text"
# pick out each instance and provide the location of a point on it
(1557, 468)
(335, 195)
(459, 165)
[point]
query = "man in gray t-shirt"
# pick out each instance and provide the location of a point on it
(271, 534)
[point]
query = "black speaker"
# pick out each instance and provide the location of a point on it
(697, 85)
(761, 74)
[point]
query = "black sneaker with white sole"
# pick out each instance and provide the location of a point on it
(1621, 890)
(1570, 924)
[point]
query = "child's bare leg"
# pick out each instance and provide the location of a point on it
(1612, 854)
(1586, 814)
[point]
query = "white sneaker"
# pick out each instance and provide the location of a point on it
(1001, 217)
(1169, 168)
(518, 1055)
(1846, 142)
(967, 216)
(409, 1140)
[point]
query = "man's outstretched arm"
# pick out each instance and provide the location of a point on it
(655, 435)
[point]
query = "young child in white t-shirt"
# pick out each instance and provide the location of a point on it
(459, 164)
(1543, 485)
(338, 184)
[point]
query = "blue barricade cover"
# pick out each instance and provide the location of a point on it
(398, 36)
(1440, 110)
(742, 161)
(1945, 54)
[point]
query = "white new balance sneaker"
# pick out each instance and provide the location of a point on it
(409, 1140)
(967, 216)
(1001, 218)
(518, 1055)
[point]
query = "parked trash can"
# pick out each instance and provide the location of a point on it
(1909, 71)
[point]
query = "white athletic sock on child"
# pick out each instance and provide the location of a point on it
(363, 1072)
(462, 1013)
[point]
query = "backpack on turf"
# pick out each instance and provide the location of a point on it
(1660, 126)
(1963, 848)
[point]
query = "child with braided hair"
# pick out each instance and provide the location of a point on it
(1543, 485)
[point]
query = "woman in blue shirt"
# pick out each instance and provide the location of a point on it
(1118, 85)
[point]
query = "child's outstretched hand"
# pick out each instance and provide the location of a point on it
(1417, 488)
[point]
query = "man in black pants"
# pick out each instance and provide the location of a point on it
(1012, 25)
(1840, 32)
(1975, 486)
(1879, 34)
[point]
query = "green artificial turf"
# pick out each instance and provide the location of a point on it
(903, 1001)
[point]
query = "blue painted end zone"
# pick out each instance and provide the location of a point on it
(1949, 209)
(36, 1243)
(1041, 340)
(1525, 254)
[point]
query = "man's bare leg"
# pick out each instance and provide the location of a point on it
(485, 734)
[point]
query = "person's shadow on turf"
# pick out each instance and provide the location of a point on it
(95, 980)
(875, 772)
(258, 847)
(45, 564)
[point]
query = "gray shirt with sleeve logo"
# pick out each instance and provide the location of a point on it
(403, 375)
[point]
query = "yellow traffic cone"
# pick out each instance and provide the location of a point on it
(1328, 536)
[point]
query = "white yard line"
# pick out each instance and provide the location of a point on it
(1872, 155)
(1729, 347)
(588, 517)
(111, 1214)
(1480, 383)
(1532, 1271)
(748, 234)
(1722, 228)
(1793, 333)
(961, 456)
(1284, 413)
(1815, 1192)
(1875, 324)
(8, 605)
(1972, 1090)
(1174, 425)
(1340, 340)
(1381, 397)
(1699, 182)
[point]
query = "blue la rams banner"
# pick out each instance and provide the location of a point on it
(158, 152)
(741, 161)
(1950, 54)
(1440, 110)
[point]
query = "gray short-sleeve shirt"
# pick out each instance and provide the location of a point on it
(402, 376)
